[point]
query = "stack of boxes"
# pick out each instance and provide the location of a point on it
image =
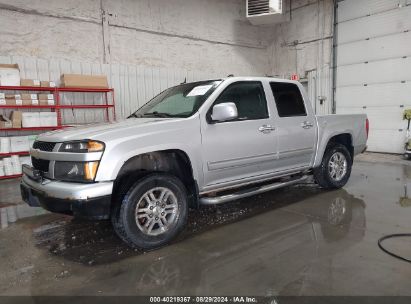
(30, 99)
(13, 165)
(46, 99)
(37, 83)
(27, 99)
(18, 119)
(39, 119)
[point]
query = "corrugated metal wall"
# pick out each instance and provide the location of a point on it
(133, 85)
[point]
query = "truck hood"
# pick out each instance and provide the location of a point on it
(102, 131)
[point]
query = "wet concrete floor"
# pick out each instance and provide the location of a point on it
(296, 241)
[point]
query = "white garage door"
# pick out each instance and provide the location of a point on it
(374, 67)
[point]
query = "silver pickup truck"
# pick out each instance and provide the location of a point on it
(200, 143)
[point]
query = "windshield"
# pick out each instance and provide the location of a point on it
(179, 101)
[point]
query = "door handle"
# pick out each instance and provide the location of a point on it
(266, 128)
(306, 125)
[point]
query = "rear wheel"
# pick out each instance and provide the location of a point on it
(335, 168)
(152, 212)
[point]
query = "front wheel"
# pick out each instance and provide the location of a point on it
(335, 168)
(152, 212)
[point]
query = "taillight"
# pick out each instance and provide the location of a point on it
(367, 126)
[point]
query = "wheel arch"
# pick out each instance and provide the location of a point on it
(343, 138)
(172, 161)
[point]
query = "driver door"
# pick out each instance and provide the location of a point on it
(242, 148)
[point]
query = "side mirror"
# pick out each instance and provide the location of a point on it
(224, 111)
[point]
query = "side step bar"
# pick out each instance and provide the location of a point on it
(249, 192)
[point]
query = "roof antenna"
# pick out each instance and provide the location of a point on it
(185, 81)
(231, 75)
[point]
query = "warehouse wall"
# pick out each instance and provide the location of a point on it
(303, 46)
(138, 42)
(212, 36)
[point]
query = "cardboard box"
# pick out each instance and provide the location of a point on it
(9, 75)
(5, 123)
(4, 145)
(24, 102)
(9, 102)
(13, 96)
(46, 102)
(29, 82)
(46, 96)
(34, 102)
(18, 102)
(29, 96)
(48, 119)
(19, 143)
(48, 84)
(2, 96)
(30, 119)
(25, 160)
(84, 81)
(15, 118)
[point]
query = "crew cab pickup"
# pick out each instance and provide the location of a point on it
(199, 143)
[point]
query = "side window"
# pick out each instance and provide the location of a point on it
(288, 99)
(249, 97)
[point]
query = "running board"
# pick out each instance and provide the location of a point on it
(248, 192)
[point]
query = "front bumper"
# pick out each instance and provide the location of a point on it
(91, 201)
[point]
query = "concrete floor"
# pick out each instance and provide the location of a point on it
(295, 241)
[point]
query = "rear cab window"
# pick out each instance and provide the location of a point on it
(288, 99)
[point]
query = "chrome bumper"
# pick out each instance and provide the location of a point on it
(69, 191)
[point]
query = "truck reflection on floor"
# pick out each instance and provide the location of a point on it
(285, 241)
(266, 257)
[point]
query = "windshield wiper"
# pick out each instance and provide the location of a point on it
(157, 114)
(135, 115)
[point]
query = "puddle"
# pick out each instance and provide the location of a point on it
(12, 213)
(92, 243)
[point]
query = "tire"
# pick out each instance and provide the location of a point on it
(143, 220)
(324, 174)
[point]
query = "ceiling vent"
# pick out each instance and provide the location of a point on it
(265, 11)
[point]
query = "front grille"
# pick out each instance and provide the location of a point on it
(40, 164)
(44, 146)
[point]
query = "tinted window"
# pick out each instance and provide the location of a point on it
(249, 97)
(288, 99)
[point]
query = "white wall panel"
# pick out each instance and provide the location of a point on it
(392, 46)
(351, 9)
(388, 141)
(374, 45)
(389, 94)
(390, 22)
(393, 70)
(381, 118)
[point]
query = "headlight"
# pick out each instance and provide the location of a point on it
(83, 146)
(75, 171)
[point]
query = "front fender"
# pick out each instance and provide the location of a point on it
(113, 161)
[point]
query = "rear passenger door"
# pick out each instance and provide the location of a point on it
(296, 129)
